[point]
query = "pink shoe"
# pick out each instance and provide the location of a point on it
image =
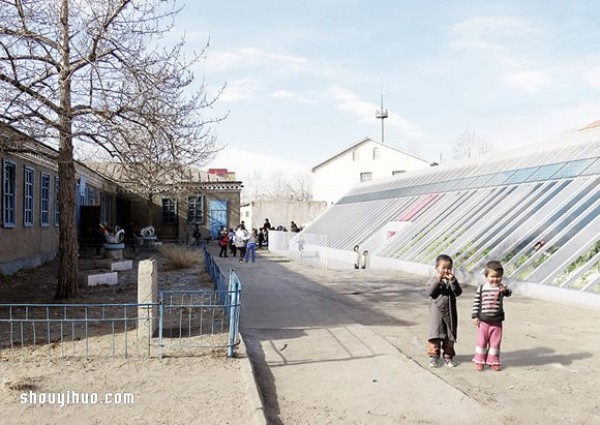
(496, 367)
(479, 367)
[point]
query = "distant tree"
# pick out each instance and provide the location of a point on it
(277, 186)
(414, 147)
(470, 144)
(92, 71)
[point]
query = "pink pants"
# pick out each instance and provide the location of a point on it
(489, 337)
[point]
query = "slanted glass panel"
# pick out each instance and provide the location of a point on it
(482, 181)
(593, 169)
(581, 263)
(573, 168)
(500, 178)
(521, 175)
(464, 183)
(545, 172)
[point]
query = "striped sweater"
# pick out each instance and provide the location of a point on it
(488, 303)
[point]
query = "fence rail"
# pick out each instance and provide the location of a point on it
(65, 330)
(187, 320)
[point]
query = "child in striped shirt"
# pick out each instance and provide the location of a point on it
(488, 314)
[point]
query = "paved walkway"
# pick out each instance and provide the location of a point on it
(347, 347)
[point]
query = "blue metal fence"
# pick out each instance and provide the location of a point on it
(189, 319)
(75, 330)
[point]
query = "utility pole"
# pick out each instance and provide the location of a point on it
(382, 114)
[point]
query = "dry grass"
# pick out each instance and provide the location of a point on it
(180, 257)
(21, 384)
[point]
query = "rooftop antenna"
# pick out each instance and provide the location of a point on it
(382, 114)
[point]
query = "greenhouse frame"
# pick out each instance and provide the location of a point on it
(535, 209)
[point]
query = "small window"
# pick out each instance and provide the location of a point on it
(396, 172)
(365, 177)
(195, 210)
(9, 194)
(355, 155)
(376, 153)
(45, 199)
(56, 204)
(28, 182)
(169, 211)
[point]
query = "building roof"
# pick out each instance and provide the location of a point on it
(362, 142)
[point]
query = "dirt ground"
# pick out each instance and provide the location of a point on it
(207, 388)
(551, 352)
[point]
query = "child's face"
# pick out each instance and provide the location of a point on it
(494, 278)
(444, 267)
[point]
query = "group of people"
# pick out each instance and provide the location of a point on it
(487, 314)
(238, 240)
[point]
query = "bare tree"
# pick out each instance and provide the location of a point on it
(277, 186)
(92, 71)
(470, 144)
(414, 147)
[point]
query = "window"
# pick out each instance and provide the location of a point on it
(169, 211)
(45, 199)
(195, 209)
(9, 194)
(365, 177)
(376, 153)
(56, 204)
(355, 155)
(396, 172)
(28, 197)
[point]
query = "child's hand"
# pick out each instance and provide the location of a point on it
(502, 288)
(450, 276)
(476, 321)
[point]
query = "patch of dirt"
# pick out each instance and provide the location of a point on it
(38, 285)
(205, 387)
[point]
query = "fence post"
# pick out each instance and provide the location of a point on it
(161, 322)
(234, 291)
(148, 294)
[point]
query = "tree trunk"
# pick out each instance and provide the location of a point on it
(149, 205)
(68, 249)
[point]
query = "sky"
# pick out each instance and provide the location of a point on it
(304, 78)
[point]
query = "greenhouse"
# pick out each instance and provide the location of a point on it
(535, 209)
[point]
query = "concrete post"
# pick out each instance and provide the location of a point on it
(148, 293)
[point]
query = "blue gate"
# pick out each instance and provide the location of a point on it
(217, 216)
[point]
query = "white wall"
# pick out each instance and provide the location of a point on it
(281, 213)
(333, 179)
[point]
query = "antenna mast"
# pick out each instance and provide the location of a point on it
(382, 114)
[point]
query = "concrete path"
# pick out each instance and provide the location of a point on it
(347, 347)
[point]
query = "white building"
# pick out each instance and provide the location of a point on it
(364, 161)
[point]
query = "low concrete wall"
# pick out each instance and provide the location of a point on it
(10, 267)
(340, 259)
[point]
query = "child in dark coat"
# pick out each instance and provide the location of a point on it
(442, 290)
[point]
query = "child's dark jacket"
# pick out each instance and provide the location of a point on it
(443, 318)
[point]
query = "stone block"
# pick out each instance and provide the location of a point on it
(99, 277)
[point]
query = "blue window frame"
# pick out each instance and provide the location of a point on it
(45, 199)
(169, 211)
(56, 204)
(9, 194)
(28, 189)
